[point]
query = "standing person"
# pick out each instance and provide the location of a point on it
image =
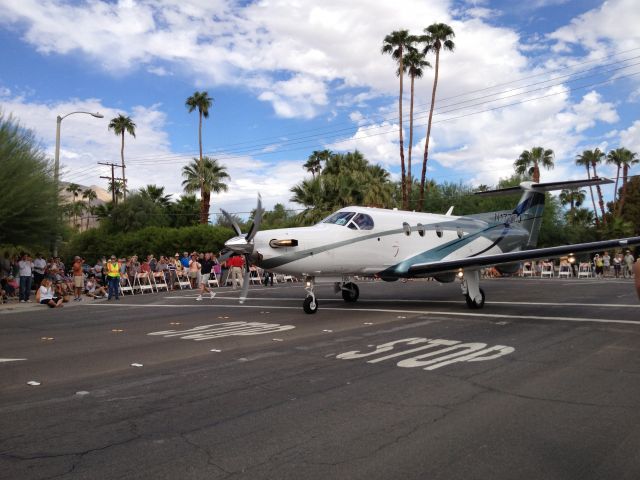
(628, 264)
(597, 261)
(194, 270)
(267, 278)
(235, 264)
(606, 263)
(39, 266)
(78, 279)
(205, 272)
(617, 264)
(113, 277)
(172, 267)
(25, 268)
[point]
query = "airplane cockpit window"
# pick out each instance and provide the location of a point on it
(363, 221)
(339, 218)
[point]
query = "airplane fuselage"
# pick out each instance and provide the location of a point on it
(371, 241)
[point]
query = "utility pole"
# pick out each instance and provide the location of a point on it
(112, 178)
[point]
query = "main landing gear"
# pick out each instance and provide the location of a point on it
(471, 290)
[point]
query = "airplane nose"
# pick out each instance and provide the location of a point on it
(239, 245)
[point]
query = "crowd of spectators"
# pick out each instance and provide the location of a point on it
(21, 275)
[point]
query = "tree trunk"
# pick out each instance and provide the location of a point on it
(615, 188)
(426, 142)
(124, 179)
(625, 175)
(409, 177)
(204, 214)
(600, 199)
(536, 172)
(402, 167)
(206, 203)
(593, 201)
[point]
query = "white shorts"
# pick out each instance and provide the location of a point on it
(204, 279)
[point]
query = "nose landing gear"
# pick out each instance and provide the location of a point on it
(310, 304)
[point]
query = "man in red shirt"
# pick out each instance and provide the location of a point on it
(78, 278)
(235, 264)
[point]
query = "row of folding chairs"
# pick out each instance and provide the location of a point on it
(585, 270)
(157, 281)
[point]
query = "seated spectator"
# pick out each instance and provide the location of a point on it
(45, 295)
(10, 286)
(93, 289)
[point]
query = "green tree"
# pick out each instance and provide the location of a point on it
(530, 161)
(627, 159)
(631, 211)
(207, 176)
(117, 188)
(185, 212)
(314, 162)
(90, 196)
(396, 44)
(594, 158)
(135, 213)
(438, 37)
(120, 125)
(156, 195)
(202, 102)
(74, 189)
(415, 63)
(29, 200)
(573, 197)
(583, 160)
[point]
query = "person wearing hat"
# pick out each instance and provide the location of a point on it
(113, 277)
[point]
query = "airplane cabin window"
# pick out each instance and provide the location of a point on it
(363, 221)
(420, 229)
(407, 228)
(339, 218)
(439, 231)
(352, 225)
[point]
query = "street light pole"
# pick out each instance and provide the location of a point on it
(56, 166)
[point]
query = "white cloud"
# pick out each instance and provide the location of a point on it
(630, 138)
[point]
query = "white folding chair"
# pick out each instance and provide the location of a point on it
(547, 270)
(255, 277)
(125, 286)
(584, 270)
(527, 270)
(159, 281)
(565, 271)
(143, 282)
(183, 280)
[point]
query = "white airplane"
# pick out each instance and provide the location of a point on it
(396, 244)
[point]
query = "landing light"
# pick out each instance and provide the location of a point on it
(283, 243)
(460, 274)
(571, 258)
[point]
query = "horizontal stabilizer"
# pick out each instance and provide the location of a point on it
(545, 187)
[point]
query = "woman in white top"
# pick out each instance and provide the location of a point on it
(45, 295)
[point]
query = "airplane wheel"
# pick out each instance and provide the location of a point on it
(472, 303)
(350, 292)
(309, 305)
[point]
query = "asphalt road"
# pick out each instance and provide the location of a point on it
(406, 383)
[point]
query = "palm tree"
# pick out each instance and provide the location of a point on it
(396, 43)
(75, 190)
(207, 176)
(438, 36)
(202, 102)
(630, 158)
(531, 161)
(614, 157)
(117, 188)
(595, 157)
(572, 196)
(314, 162)
(583, 160)
(156, 195)
(415, 63)
(120, 125)
(89, 195)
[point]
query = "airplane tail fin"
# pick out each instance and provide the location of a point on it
(528, 211)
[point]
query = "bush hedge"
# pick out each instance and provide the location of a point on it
(96, 243)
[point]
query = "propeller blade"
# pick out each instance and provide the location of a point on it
(225, 255)
(233, 223)
(245, 281)
(257, 220)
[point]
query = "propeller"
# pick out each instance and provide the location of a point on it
(242, 244)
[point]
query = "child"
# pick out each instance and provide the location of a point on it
(45, 295)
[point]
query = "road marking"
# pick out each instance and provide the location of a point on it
(227, 329)
(454, 351)
(412, 312)
(4, 360)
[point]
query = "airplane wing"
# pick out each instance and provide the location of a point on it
(432, 268)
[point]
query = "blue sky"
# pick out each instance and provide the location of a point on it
(292, 77)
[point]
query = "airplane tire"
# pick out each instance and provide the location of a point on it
(309, 306)
(350, 292)
(472, 303)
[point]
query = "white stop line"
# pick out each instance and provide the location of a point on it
(454, 351)
(227, 329)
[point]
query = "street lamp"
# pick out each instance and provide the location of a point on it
(56, 165)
